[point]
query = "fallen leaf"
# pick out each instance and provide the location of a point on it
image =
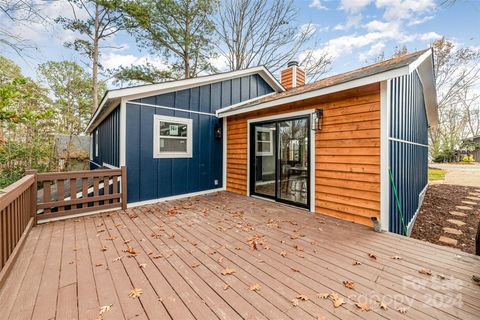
(356, 263)
(135, 293)
(195, 265)
(142, 265)
(425, 271)
(295, 269)
(294, 236)
(104, 248)
(255, 287)
(98, 264)
(295, 302)
(299, 247)
(323, 295)
(441, 276)
(349, 284)
(111, 238)
(363, 306)
(283, 253)
(383, 306)
(228, 271)
(337, 301)
(302, 297)
(396, 258)
(220, 260)
(131, 250)
(225, 287)
(402, 310)
(371, 255)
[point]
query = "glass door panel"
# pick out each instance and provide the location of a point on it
(293, 161)
(280, 155)
(265, 167)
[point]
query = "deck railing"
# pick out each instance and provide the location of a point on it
(46, 196)
(78, 192)
(17, 216)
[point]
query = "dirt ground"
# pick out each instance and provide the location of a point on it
(439, 201)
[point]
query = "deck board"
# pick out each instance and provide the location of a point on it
(70, 269)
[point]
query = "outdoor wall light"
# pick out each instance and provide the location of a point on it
(317, 120)
(218, 132)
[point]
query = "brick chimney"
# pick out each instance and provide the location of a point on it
(292, 76)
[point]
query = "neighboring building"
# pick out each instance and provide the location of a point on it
(327, 146)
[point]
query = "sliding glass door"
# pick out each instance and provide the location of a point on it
(280, 160)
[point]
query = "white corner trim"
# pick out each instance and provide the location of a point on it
(323, 91)
(415, 64)
(123, 133)
(312, 164)
(384, 154)
(109, 166)
(156, 137)
(224, 160)
(421, 196)
(409, 142)
(181, 196)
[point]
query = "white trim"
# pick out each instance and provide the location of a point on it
(421, 196)
(312, 148)
(95, 163)
(323, 91)
(138, 92)
(156, 137)
(384, 154)
(109, 166)
(170, 108)
(269, 141)
(409, 142)
(415, 64)
(224, 160)
(123, 133)
(233, 106)
(181, 196)
(96, 143)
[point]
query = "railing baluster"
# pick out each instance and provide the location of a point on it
(46, 194)
(60, 193)
(73, 191)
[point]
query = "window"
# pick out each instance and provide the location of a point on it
(264, 141)
(172, 137)
(96, 143)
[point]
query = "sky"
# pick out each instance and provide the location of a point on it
(353, 32)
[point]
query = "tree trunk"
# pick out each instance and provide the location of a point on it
(95, 60)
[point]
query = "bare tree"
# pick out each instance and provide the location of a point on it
(457, 72)
(102, 21)
(262, 32)
(18, 12)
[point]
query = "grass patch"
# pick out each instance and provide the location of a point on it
(436, 174)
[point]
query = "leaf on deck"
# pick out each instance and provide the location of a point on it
(337, 301)
(283, 253)
(425, 271)
(255, 287)
(135, 293)
(349, 284)
(356, 263)
(372, 256)
(363, 306)
(383, 306)
(228, 271)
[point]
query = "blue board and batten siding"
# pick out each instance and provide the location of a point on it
(108, 141)
(408, 148)
(152, 178)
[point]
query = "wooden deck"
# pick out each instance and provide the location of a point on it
(70, 269)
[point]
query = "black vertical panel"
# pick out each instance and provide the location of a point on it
(108, 140)
(408, 157)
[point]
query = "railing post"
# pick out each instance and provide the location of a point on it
(124, 187)
(33, 195)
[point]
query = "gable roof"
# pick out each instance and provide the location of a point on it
(385, 70)
(113, 97)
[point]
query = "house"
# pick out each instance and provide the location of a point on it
(353, 146)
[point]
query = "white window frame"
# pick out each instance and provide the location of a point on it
(270, 141)
(96, 143)
(156, 137)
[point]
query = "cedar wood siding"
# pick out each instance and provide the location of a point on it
(347, 152)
